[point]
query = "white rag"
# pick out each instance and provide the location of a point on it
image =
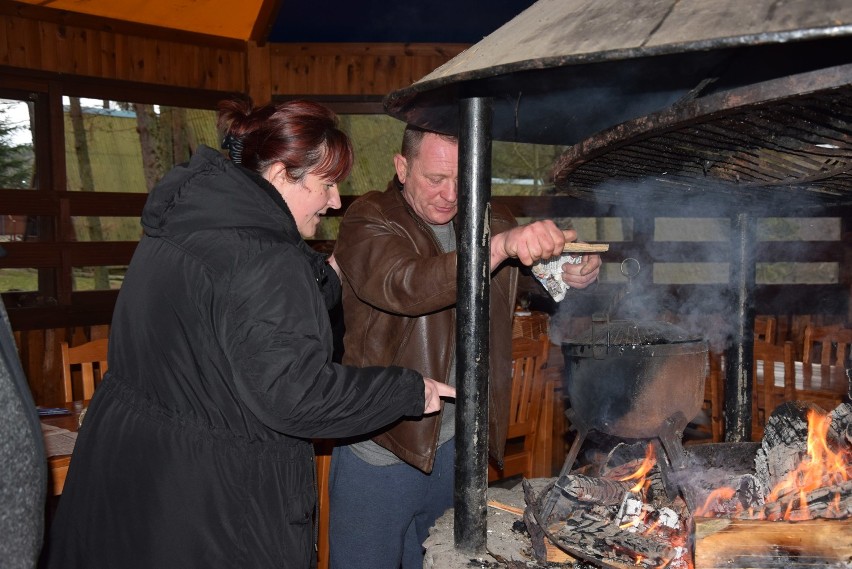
(549, 274)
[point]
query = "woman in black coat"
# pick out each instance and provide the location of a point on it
(196, 450)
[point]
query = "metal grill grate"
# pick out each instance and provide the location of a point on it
(786, 142)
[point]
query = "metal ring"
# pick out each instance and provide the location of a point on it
(630, 267)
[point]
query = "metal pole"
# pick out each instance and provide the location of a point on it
(739, 353)
(472, 324)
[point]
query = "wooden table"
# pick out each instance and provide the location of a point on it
(57, 466)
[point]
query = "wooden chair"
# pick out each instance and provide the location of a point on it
(714, 396)
(529, 357)
(765, 328)
(91, 359)
(769, 390)
(551, 425)
(829, 347)
(530, 325)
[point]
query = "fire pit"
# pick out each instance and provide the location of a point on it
(750, 496)
(783, 502)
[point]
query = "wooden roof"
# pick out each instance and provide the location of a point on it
(233, 19)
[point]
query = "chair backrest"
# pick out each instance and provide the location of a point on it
(827, 345)
(531, 325)
(773, 384)
(91, 358)
(528, 358)
(765, 328)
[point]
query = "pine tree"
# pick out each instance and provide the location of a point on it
(16, 159)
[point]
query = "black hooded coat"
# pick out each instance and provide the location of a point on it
(195, 450)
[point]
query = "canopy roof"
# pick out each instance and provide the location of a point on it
(563, 70)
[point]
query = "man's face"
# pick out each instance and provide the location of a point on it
(431, 179)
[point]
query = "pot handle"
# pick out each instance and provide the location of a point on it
(600, 350)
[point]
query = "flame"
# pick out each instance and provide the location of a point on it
(717, 496)
(644, 522)
(641, 472)
(820, 468)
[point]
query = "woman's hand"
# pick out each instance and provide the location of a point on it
(434, 391)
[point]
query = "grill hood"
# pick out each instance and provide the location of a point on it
(564, 71)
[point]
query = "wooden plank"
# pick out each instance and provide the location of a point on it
(16, 30)
(265, 20)
(745, 544)
(23, 254)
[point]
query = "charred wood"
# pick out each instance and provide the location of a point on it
(596, 490)
(831, 502)
(784, 444)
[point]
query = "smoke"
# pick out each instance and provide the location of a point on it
(696, 250)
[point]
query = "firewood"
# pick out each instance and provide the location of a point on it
(828, 501)
(505, 507)
(596, 490)
(736, 544)
(585, 247)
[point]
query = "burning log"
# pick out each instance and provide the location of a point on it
(595, 490)
(732, 544)
(832, 501)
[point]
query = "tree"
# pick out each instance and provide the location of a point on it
(16, 158)
(87, 182)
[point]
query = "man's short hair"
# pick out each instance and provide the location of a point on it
(413, 136)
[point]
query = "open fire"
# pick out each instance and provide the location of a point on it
(785, 502)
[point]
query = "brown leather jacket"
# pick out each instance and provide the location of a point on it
(399, 295)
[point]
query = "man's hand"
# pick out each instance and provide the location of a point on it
(529, 243)
(434, 392)
(583, 274)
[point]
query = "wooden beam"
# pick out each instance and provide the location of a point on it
(265, 20)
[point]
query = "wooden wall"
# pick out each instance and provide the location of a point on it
(86, 55)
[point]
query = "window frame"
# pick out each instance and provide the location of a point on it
(55, 303)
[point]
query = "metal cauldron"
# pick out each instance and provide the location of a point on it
(635, 379)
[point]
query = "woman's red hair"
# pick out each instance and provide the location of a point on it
(301, 134)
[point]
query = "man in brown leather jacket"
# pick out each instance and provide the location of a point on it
(396, 254)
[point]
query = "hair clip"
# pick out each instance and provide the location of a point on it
(234, 146)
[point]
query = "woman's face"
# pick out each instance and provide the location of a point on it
(308, 198)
